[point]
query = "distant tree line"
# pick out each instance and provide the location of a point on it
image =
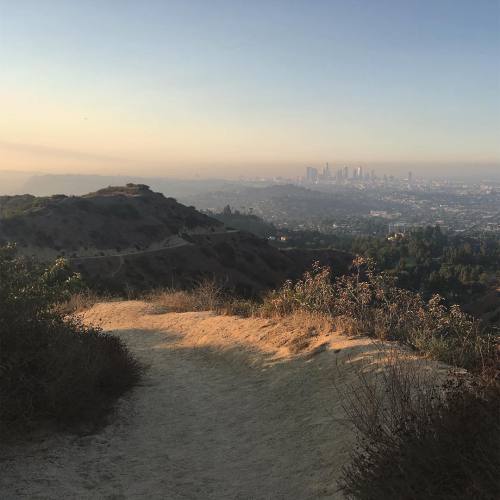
(430, 261)
(235, 219)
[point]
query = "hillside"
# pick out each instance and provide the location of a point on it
(129, 237)
(114, 218)
(245, 222)
(229, 408)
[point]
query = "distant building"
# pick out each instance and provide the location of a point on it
(326, 172)
(410, 179)
(358, 173)
(311, 174)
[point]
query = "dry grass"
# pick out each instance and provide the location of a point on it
(370, 304)
(80, 302)
(304, 329)
(419, 437)
(240, 307)
(388, 389)
(172, 301)
(206, 295)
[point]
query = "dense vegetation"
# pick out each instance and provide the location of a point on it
(460, 268)
(52, 367)
(430, 261)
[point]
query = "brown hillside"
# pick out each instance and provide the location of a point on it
(113, 219)
(129, 237)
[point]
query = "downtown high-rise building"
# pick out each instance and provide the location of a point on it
(358, 173)
(311, 174)
(326, 172)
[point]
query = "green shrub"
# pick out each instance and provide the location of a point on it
(52, 367)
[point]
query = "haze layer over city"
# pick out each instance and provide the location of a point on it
(227, 89)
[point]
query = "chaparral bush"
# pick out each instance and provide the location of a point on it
(53, 368)
(419, 439)
(369, 303)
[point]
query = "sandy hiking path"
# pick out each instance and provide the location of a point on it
(228, 408)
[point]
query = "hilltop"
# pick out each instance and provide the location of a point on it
(129, 237)
(114, 218)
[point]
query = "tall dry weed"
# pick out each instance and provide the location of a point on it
(419, 437)
(369, 303)
(206, 295)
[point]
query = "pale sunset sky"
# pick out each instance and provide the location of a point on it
(261, 87)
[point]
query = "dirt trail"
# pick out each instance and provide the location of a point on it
(224, 411)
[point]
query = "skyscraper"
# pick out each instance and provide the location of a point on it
(326, 172)
(311, 174)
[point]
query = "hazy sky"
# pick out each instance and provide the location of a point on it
(247, 87)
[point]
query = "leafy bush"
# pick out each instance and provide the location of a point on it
(52, 367)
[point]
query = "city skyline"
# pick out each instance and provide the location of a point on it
(225, 89)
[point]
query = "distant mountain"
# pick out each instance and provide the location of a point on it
(131, 237)
(48, 184)
(12, 182)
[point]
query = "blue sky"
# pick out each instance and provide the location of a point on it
(221, 87)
